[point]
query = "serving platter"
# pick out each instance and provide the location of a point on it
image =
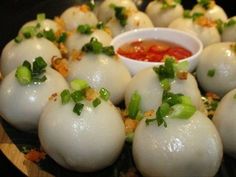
(13, 142)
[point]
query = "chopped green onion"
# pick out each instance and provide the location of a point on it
(219, 25)
(120, 14)
(109, 50)
(91, 4)
(104, 94)
(39, 66)
(100, 25)
(78, 108)
(211, 72)
(62, 38)
(171, 98)
(182, 111)
(165, 84)
(194, 16)
(129, 137)
(65, 96)
(29, 31)
(79, 84)
(133, 107)
(84, 29)
(231, 22)
(77, 96)
(96, 102)
(18, 39)
(23, 75)
(204, 3)
(27, 64)
(49, 34)
(41, 17)
(181, 66)
(186, 100)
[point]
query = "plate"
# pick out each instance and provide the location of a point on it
(13, 142)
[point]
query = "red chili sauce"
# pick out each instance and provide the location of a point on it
(152, 50)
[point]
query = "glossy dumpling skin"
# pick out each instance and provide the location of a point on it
(76, 15)
(21, 106)
(215, 12)
(76, 40)
(102, 71)
(46, 25)
(163, 17)
(135, 20)
(220, 58)
(224, 120)
(85, 143)
(14, 53)
(207, 35)
(185, 148)
(147, 83)
(105, 12)
(228, 33)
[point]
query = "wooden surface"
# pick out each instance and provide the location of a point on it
(10, 150)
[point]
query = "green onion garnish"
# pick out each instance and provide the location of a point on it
(104, 94)
(100, 25)
(84, 29)
(49, 34)
(78, 108)
(231, 22)
(28, 31)
(91, 4)
(204, 3)
(211, 72)
(23, 75)
(182, 111)
(77, 96)
(18, 39)
(41, 17)
(167, 5)
(96, 47)
(79, 84)
(129, 137)
(65, 96)
(62, 38)
(120, 14)
(133, 107)
(194, 16)
(96, 102)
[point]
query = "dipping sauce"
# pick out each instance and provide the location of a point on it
(152, 50)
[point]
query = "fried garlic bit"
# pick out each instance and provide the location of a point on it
(205, 22)
(61, 65)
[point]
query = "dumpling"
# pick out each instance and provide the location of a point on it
(162, 16)
(216, 69)
(224, 120)
(78, 15)
(105, 12)
(186, 147)
(135, 20)
(202, 28)
(147, 84)
(101, 71)
(15, 53)
(87, 142)
(21, 105)
(228, 32)
(76, 40)
(210, 9)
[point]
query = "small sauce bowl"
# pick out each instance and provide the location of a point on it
(179, 38)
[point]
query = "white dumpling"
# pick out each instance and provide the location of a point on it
(46, 25)
(21, 106)
(102, 71)
(76, 40)
(225, 122)
(88, 142)
(228, 33)
(184, 148)
(78, 15)
(163, 17)
(14, 53)
(216, 69)
(135, 20)
(207, 34)
(147, 84)
(105, 12)
(214, 12)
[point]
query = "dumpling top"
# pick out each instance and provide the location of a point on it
(105, 11)
(128, 21)
(199, 26)
(77, 15)
(162, 13)
(14, 53)
(210, 9)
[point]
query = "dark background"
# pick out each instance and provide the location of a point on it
(14, 13)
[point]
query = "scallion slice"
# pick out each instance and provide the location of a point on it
(133, 107)
(77, 96)
(40, 17)
(78, 108)
(96, 102)
(79, 84)
(182, 111)
(23, 75)
(104, 94)
(65, 96)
